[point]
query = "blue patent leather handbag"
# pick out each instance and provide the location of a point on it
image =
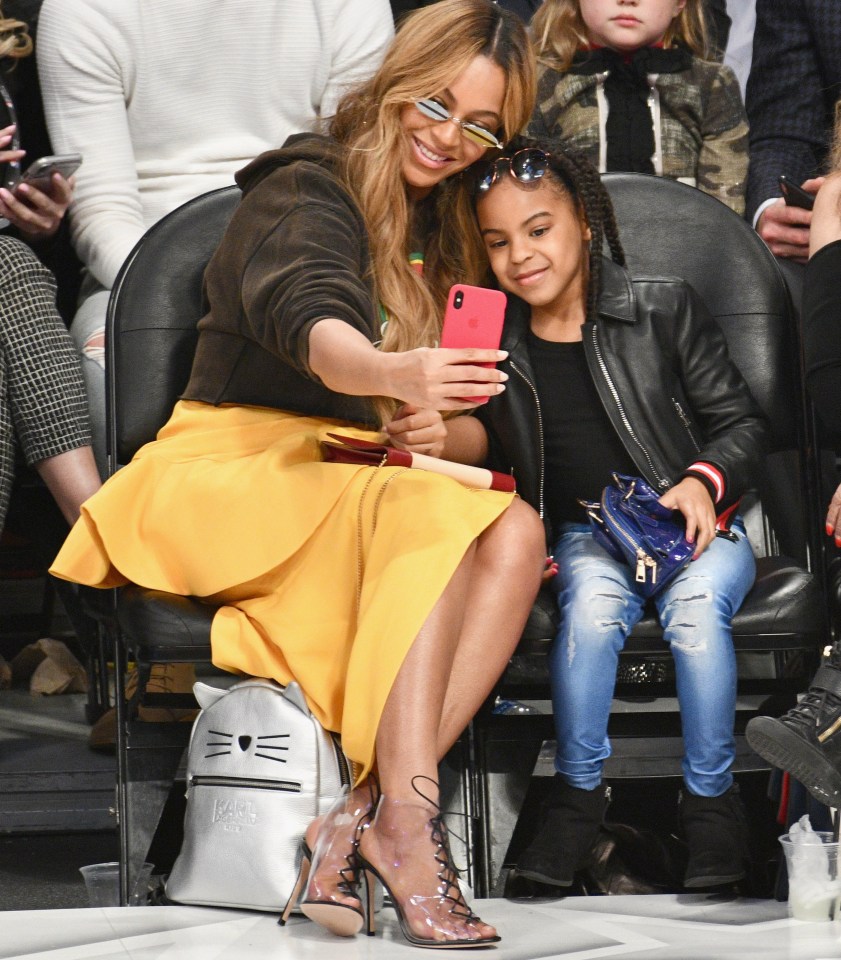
(635, 528)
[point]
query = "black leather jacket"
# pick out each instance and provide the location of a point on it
(661, 367)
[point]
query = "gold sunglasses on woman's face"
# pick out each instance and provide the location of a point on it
(435, 110)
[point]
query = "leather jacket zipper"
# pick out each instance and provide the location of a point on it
(539, 429)
(687, 424)
(661, 481)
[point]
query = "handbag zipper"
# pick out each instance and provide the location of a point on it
(661, 482)
(643, 559)
(539, 430)
(686, 423)
(253, 783)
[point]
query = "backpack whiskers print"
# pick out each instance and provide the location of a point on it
(260, 767)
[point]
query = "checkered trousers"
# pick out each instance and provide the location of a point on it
(42, 396)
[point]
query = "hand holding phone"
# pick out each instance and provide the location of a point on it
(794, 195)
(40, 172)
(474, 318)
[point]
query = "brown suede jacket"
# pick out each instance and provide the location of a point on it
(295, 252)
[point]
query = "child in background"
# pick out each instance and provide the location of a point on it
(607, 372)
(626, 82)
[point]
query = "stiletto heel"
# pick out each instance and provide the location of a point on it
(370, 890)
(300, 880)
(396, 826)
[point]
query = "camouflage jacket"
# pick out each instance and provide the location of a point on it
(700, 126)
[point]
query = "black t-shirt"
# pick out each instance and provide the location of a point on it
(581, 447)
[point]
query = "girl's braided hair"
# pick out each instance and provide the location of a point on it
(574, 175)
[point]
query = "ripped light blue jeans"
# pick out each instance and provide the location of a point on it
(599, 605)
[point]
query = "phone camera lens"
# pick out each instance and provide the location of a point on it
(458, 300)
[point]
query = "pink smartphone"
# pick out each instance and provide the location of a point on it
(474, 318)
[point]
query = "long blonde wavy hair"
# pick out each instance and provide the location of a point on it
(432, 48)
(15, 41)
(559, 30)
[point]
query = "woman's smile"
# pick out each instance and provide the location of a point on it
(426, 154)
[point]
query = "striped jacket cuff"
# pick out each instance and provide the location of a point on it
(710, 476)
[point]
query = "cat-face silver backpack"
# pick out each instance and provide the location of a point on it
(260, 767)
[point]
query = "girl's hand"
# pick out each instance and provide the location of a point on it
(833, 517)
(442, 379)
(37, 213)
(693, 500)
(418, 430)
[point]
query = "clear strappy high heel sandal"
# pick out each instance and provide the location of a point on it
(329, 874)
(438, 917)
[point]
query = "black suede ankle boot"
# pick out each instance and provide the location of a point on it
(570, 820)
(716, 831)
(806, 742)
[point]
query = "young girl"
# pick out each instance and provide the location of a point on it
(394, 597)
(612, 373)
(626, 82)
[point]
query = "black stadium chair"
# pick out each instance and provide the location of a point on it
(671, 229)
(151, 338)
(667, 228)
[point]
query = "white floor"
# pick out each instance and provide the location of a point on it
(696, 927)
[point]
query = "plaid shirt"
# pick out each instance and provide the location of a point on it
(703, 130)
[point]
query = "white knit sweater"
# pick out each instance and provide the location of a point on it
(167, 99)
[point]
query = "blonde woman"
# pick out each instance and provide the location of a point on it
(394, 598)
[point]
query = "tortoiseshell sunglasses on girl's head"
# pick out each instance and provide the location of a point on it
(435, 110)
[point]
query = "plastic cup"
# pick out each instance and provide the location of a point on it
(102, 881)
(811, 894)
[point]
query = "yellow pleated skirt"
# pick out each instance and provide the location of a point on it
(323, 572)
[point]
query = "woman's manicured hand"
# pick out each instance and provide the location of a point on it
(7, 155)
(693, 500)
(418, 430)
(443, 378)
(37, 213)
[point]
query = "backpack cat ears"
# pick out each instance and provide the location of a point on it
(207, 695)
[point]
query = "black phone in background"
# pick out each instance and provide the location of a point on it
(794, 195)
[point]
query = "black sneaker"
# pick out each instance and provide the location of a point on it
(806, 742)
